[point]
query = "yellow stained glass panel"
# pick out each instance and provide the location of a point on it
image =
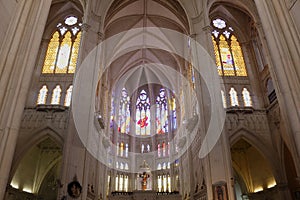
(49, 63)
(74, 56)
(64, 54)
(226, 57)
(238, 57)
(217, 55)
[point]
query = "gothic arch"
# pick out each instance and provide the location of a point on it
(252, 167)
(246, 6)
(173, 13)
(56, 15)
(38, 136)
(36, 162)
(127, 59)
(232, 15)
(174, 6)
(247, 135)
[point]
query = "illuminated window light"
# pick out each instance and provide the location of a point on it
(14, 185)
(258, 189)
(271, 184)
(27, 190)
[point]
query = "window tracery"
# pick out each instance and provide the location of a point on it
(42, 97)
(227, 50)
(56, 94)
(63, 48)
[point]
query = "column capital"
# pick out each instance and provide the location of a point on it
(85, 27)
(207, 28)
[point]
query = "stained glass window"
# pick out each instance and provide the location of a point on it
(62, 51)
(219, 23)
(159, 183)
(64, 54)
(227, 50)
(49, 63)
(126, 183)
(122, 149)
(247, 98)
(169, 183)
(126, 150)
(117, 183)
(163, 149)
(159, 166)
(233, 97)
(223, 99)
(124, 113)
(42, 98)
(121, 183)
(75, 50)
(173, 110)
(108, 184)
(68, 96)
(55, 100)
(158, 150)
(164, 183)
(161, 113)
(148, 148)
(143, 114)
(118, 148)
(112, 112)
(142, 148)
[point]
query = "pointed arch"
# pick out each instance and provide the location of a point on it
(42, 97)
(266, 150)
(56, 95)
(143, 116)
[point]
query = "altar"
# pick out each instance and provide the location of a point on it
(144, 195)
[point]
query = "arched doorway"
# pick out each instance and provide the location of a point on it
(37, 174)
(254, 177)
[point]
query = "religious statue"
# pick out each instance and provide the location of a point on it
(74, 189)
(144, 177)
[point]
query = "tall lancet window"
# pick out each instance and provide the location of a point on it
(124, 113)
(227, 49)
(247, 98)
(173, 109)
(55, 100)
(68, 96)
(161, 113)
(223, 99)
(62, 51)
(42, 98)
(233, 97)
(143, 114)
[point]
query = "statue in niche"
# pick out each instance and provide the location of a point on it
(144, 177)
(74, 189)
(220, 191)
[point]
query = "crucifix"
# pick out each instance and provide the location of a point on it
(144, 177)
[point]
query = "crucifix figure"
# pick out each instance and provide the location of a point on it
(144, 177)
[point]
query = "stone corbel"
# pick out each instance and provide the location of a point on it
(85, 27)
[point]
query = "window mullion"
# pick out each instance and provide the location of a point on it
(220, 56)
(61, 38)
(233, 63)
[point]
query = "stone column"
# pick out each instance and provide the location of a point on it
(77, 161)
(217, 164)
(17, 61)
(283, 43)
